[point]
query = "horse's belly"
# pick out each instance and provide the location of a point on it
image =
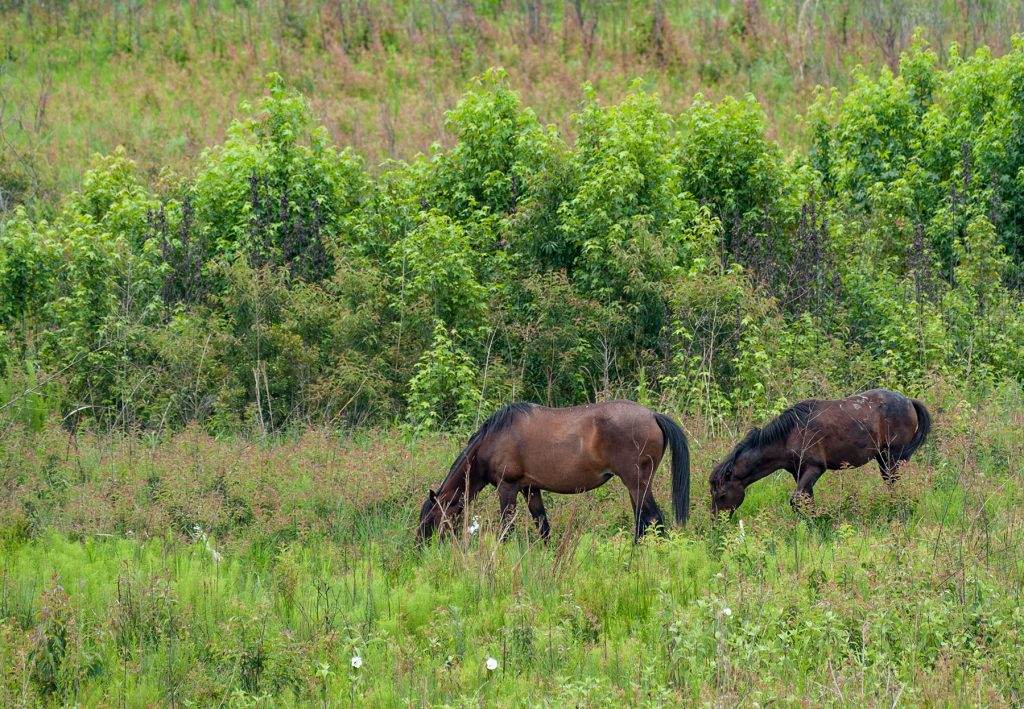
(568, 484)
(850, 457)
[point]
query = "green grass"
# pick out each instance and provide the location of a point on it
(110, 593)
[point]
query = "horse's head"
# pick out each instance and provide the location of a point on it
(727, 489)
(435, 513)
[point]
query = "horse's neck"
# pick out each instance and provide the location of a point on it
(762, 463)
(453, 489)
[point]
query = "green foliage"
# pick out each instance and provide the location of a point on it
(28, 265)
(24, 399)
(277, 188)
(500, 150)
(678, 259)
(443, 394)
(437, 263)
(555, 339)
(112, 196)
(725, 161)
(626, 191)
(875, 134)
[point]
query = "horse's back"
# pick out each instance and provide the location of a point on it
(594, 426)
(884, 417)
(887, 408)
(568, 449)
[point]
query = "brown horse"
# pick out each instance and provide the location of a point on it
(526, 448)
(815, 435)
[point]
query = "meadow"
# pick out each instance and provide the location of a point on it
(194, 571)
(165, 79)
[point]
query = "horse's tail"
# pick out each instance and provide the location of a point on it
(676, 440)
(924, 427)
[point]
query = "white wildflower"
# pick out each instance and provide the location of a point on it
(217, 556)
(727, 611)
(357, 662)
(491, 664)
(474, 526)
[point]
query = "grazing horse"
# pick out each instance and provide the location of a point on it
(526, 448)
(818, 435)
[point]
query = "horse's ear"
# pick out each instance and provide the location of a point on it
(433, 496)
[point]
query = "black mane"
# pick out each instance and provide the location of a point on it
(773, 432)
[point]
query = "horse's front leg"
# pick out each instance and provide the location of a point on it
(535, 503)
(804, 493)
(507, 493)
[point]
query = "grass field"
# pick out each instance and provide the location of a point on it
(165, 79)
(199, 572)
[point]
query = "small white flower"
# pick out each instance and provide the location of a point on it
(491, 664)
(474, 526)
(357, 662)
(217, 556)
(727, 611)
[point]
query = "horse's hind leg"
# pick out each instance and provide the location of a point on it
(638, 482)
(535, 503)
(888, 465)
(804, 493)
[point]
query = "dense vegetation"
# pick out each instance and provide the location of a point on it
(682, 260)
(209, 337)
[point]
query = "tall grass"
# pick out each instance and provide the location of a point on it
(24, 399)
(204, 571)
(164, 79)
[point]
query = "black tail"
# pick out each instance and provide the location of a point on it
(676, 440)
(924, 426)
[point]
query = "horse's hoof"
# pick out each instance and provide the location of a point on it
(802, 503)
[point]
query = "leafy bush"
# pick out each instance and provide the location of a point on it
(671, 258)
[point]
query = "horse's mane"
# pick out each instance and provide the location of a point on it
(773, 432)
(499, 420)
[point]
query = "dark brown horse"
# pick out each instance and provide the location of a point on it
(815, 435)
(526, 448)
